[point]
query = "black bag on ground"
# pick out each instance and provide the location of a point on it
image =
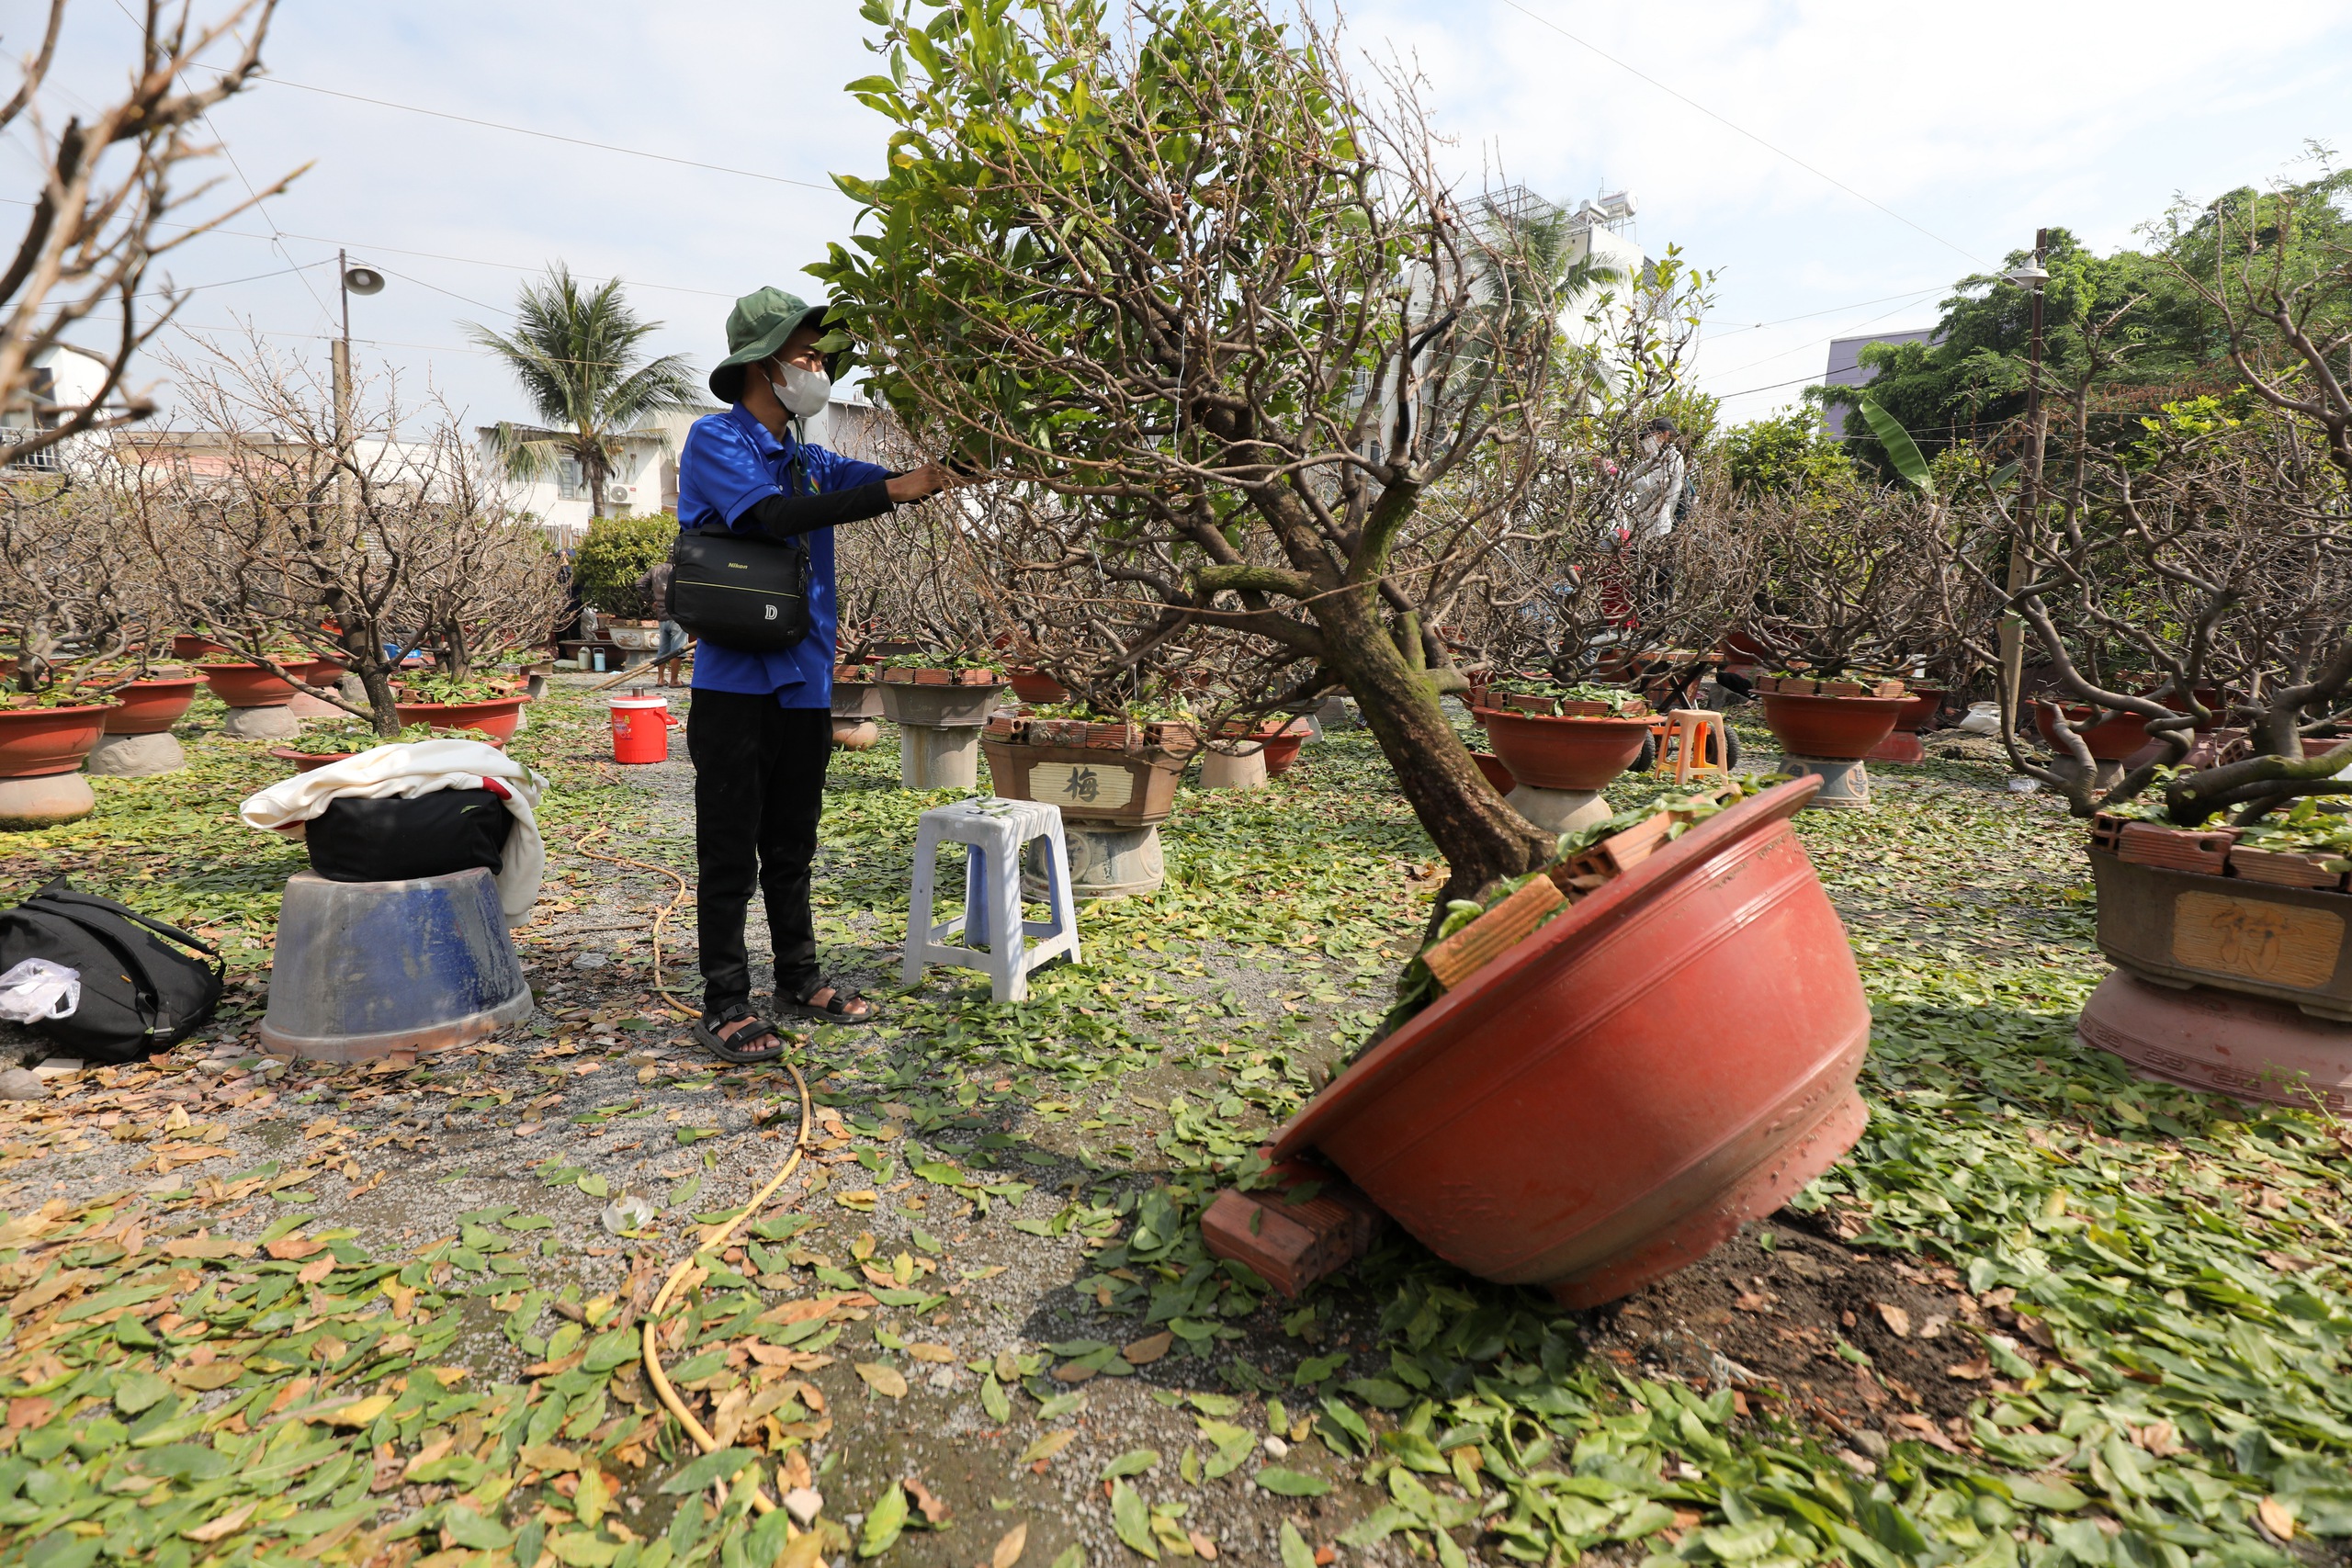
(355, 840)
(740, 590)
(139, 995)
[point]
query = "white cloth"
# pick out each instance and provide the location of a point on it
(1655, 493)
(39, 988)
(404, 773)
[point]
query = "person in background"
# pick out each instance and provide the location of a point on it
(760, 728)
(1662, 487)
(669, 649)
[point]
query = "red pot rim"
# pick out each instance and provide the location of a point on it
(1483, 714)
(518, 699)
(1590, 919)
(1818, 697)
(61, 707)
(159, 684)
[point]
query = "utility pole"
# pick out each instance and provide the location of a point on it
(2030, 278)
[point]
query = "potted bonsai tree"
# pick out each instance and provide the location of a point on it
(76, 619)
(1257, 396)
(329, 567)
(2189, 578)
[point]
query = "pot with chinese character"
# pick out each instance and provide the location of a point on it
(1115, 784)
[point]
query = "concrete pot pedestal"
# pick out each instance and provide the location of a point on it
(937, 757)
(1559, 810)
(939, 731)
(44, 801)
(1105, 863)
(1221, 770)
(274, 723)
(136, 756)
(1845, 782)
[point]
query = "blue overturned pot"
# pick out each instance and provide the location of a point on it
(364, 969)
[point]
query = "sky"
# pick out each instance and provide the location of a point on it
(1837, 166)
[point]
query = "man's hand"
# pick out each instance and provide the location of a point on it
(916, 483)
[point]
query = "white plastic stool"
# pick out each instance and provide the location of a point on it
(994, 833)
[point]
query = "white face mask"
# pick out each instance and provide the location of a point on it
(803, 392)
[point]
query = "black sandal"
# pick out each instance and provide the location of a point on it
(723, 1047)
(833, 1011)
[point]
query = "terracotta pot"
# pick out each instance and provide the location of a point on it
(1563, 753)
(2110, 741)
(1497, 774)
(37, 741)
(150, 707)
(304, 762)
(1574, 1116)
(188, 645)
(496, 718)
(247, 685)
(1036, 686)
(1282, 748)
(1918, 709)
(1833, 728)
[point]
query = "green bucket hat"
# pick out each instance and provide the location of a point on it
(756, 328)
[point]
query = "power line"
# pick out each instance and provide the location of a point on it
(551, 136)
(1809, 315)
(1780, 151)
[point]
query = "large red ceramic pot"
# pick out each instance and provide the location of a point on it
(38, 742)
(190, 645)
(2110, 741)
(247, 685)
(150, 707)
(1903, 746)
(1576, 1116)
(1835, 729)
(497, 719)
(1563, 753)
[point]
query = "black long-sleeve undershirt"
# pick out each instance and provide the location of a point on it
(786, 517)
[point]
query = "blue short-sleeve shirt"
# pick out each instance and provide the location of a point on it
(731, 463)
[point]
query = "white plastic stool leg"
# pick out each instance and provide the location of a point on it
(1008, 957)
(921, 937)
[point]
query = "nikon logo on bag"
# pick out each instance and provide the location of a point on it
(771, 609)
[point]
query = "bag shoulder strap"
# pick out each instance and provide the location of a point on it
(170, 932)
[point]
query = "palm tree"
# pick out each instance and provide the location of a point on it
(575, 351)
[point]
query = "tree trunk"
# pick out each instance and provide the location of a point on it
(1481, 838)
(592, 465)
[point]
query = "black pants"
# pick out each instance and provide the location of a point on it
(759, 791)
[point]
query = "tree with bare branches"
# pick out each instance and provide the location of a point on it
(289, 545)
(109, 186)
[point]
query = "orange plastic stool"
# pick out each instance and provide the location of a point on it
(1683, 744)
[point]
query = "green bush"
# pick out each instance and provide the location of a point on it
(615, 554)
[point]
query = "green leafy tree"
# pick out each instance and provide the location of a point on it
(578, 353)
(1216, 328)
(617, 552)
(1781, 453)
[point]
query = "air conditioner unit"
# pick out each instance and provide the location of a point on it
(618, 492)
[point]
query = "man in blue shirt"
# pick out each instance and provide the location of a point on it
(759, 730)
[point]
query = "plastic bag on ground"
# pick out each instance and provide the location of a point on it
(38, 988)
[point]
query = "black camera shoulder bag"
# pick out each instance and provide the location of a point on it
(741, 589)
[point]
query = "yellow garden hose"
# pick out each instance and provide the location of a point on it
(654, 1374)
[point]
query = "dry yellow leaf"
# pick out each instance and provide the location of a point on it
(1047, 1445)
(362, 1412)
(226, 1524)
(1897, 1321)
(882, 1380)
(923, 1351)
(1009, 1547)
(1145, 1351)
(2275, 1518)
(316, 1270)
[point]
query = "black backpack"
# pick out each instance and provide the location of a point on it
(139, 996)
(444, 831)
(740, 591)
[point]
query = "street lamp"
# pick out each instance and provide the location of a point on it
(2030, 277)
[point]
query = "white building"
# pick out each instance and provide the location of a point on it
(645, 475)
(63, 379)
